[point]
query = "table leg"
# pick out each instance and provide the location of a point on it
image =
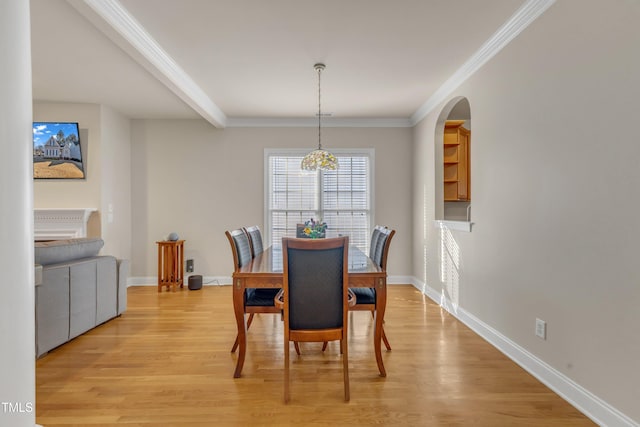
(381, 304)
(238, 309)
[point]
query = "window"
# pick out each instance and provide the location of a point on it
(342, 198)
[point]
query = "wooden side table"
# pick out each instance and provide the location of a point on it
(170, 264)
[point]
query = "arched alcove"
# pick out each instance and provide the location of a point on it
(452, 179)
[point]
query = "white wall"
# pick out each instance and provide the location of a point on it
(115, 204)
(555, 197)
(198, 181)
(17, 330)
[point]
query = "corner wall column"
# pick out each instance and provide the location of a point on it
(17, 324)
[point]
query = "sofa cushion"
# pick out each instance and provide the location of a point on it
(57, 251)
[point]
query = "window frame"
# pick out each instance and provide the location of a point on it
(301, 152)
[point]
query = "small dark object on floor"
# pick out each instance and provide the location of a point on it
(195, 282)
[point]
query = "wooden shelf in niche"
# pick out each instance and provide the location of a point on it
(450, 191)
(450, 172)
(456, 171)
(451, 153)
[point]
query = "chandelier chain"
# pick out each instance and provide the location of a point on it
(319, 159)
(319, 110)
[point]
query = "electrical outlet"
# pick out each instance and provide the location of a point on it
(189, 266)
(541, 329)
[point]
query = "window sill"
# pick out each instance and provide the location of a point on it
(453, 225)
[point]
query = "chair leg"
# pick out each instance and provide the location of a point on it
(286, 369)
(384, 336)
(324, 345)
(235, 344)
(385, 340)
(295, 344)
(250, 320)
(345, 368)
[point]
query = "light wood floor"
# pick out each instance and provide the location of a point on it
(166, 362)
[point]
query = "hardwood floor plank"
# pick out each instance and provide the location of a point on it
(166, 362)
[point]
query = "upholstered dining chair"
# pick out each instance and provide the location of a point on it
(379, 251)
(255, 240)
(375, 235)
(256, 300)
(315, 284)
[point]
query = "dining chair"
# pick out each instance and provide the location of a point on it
(257, 247)
(315, 285)
(379, 251)
(256, 300)
(375, 235)
(255, 240)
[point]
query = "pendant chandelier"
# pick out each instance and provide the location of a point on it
(319, 159)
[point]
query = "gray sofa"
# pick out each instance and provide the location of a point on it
(76, 289)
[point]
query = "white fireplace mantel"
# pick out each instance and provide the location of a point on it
(61, 223)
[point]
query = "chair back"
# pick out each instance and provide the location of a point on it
(255, 240)
(382, 246)
(375, 235)
(315, 283)
(315, 287)
(240, 247)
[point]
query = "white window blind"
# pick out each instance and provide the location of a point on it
(341, 198)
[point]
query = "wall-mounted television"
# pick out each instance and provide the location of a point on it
(57, 153)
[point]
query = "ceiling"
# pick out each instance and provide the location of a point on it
(235, 60)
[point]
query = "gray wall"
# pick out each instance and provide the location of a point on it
(115, 188)
(198, 181)
(555, 183)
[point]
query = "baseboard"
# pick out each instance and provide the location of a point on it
(582, 399)
(226, 280)
(153, 280)
(399, 280)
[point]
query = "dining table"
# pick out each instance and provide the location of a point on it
(265, 271)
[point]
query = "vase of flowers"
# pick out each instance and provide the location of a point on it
(315, 229)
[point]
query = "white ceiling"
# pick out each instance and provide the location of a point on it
(253, 59)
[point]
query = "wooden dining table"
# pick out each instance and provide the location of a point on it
(265, 271)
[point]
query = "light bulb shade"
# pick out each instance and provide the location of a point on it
(319, 160)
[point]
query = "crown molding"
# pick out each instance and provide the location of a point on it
(329, 122)
(125, 31)
(520, 20)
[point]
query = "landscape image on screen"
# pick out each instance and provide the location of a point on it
(56, 151)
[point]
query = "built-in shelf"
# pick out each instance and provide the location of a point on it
(456, 174)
